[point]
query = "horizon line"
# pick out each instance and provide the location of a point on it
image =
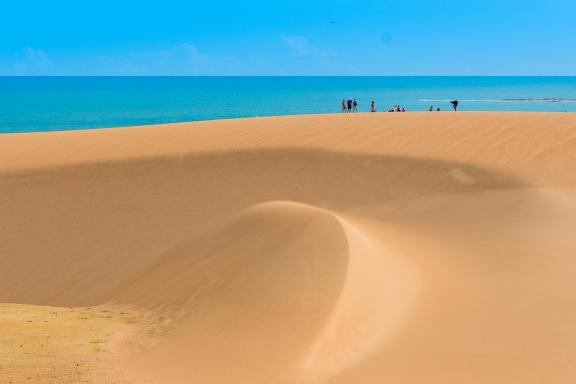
(285, 76)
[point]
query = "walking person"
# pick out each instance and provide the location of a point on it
(349, 105)
(355, 104)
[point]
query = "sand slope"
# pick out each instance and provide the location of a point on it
(408, 248)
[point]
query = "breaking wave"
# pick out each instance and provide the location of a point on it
(529, 100)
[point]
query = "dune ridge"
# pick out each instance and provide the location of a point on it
(413, 248)
(298, 260)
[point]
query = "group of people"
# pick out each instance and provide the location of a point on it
(397, 108)
(351, 105)
(453, 102)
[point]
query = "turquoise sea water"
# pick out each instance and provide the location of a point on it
(30, 104)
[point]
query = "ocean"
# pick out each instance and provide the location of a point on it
(30, 104)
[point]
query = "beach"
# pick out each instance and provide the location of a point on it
(348, 248)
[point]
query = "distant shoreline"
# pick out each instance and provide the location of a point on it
(40, 104)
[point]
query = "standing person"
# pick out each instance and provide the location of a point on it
(403, 109)
(431, 109)
(355, 104)
(349, 105)
(373, 107)
(454, 104)
(343, 106)
(438, 109)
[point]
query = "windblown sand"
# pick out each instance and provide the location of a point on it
(370, 248)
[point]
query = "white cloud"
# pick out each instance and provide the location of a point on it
(180, 59)
(189, 50)
(298, 44)
(301, 47)
(184, 53)
(36, 57)
(32, 62)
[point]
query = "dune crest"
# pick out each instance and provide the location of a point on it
(272, 264)
(381, 287)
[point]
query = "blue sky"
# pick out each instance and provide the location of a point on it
(276, 37)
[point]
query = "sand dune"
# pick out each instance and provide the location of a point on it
(408, 248)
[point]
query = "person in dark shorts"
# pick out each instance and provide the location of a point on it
(349, 105)
(355, 105)
(454, 105)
